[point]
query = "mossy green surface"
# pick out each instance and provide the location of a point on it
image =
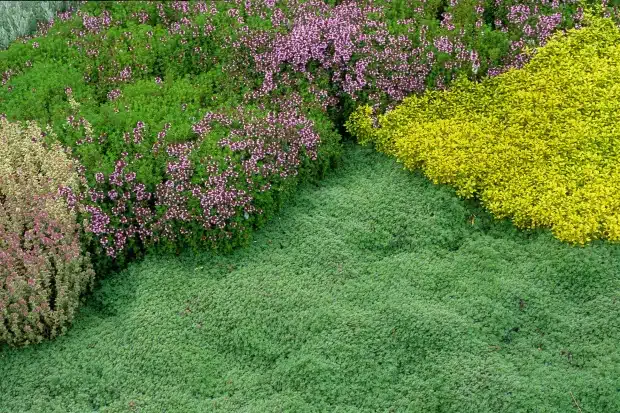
(374, 291)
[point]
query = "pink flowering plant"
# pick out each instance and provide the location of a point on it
(379, 52)
(200, 173)
(200, 199)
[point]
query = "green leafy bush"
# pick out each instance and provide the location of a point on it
(139, 89)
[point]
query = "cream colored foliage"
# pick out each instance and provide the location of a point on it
(27, 166)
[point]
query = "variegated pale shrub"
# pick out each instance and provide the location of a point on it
(43, 271)
(540, 145)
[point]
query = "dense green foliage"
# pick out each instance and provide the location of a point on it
(253, 95)
(200, 173)
(373, 291)
(191, 123)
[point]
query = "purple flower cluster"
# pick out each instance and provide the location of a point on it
(138, 132)
(64, 16)
(534, 27)
(351, 44)
(6, 76)
(124, 75)
(519, 14)
(141, 16)
(96, 24)
(114, 94)
(356, 51)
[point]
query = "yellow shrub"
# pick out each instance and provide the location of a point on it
(540, 145)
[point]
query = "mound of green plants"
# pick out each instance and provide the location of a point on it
(173, 154)
(537, 144)
(192, 122)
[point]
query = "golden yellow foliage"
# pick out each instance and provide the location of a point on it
(540, 145)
